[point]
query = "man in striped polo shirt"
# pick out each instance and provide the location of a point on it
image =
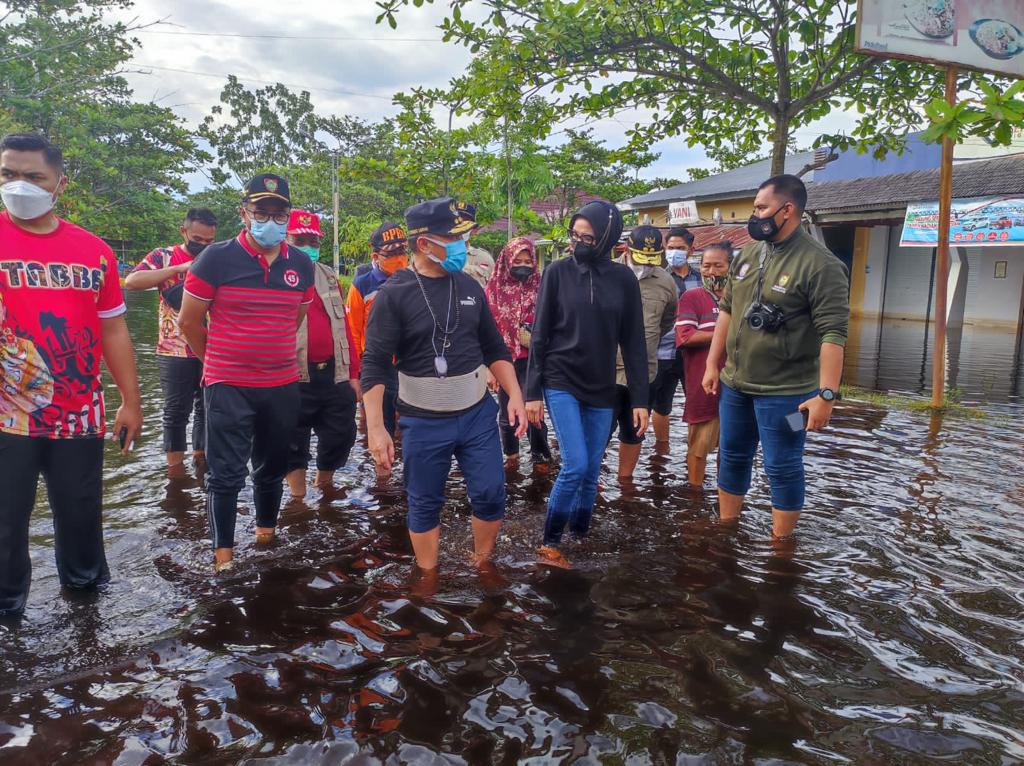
(256, 291)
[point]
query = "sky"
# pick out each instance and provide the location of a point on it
(334, 49)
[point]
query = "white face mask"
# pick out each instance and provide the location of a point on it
(639, 270)
(676, 258)
(25, 200)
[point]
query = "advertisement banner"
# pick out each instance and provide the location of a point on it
(978, 222)
(976, 34)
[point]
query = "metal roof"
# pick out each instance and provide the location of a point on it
(981, 178)
(732, 183)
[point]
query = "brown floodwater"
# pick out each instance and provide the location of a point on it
(891, 634)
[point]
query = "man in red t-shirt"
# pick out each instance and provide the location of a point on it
(328, 368)
(61, 311)
(181, 372)
(695, 325)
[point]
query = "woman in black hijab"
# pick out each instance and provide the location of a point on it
(588, 307)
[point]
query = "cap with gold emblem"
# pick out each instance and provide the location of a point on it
(443, 215)
(303, 222)
(266, 186)
(645, 246)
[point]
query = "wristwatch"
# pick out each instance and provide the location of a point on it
(828, 394)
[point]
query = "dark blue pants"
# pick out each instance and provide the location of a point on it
(428, 445)
(329, 409)
(73, 472)
(748, 419)
(243, 423)
(182, 381)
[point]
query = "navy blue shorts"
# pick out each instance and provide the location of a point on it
(428, 446)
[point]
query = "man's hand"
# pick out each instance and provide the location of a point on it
(358, 389)
(640, 418)
(129, 416)
(492, 382)
(710, 382)
(181, 268)
(382, 449)
(819, 412)
(517, 416)
(535, 413)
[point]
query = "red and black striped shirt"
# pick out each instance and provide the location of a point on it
(254, 308)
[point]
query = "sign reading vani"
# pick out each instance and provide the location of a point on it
(978, 222)
(976, 34)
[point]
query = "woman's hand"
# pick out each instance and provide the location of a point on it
(535, 413)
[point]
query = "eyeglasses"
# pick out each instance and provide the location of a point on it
(586, 239)
(261, 217)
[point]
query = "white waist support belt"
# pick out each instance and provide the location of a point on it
(450, 394)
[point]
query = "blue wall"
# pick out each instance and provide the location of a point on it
(917, 156)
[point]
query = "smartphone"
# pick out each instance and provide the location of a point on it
(797, 421)
(122, 436)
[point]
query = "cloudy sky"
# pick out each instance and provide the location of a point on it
(333, 48)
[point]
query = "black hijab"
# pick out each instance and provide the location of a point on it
(606, 220)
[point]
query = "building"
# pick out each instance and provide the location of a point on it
(723, 198)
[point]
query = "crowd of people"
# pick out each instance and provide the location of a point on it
(260, 346)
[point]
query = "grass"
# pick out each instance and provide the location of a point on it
(951, 404)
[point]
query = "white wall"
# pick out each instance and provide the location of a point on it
(989, 300)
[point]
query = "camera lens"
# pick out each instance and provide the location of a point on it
(756, 321)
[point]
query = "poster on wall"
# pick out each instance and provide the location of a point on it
(978, 222)
(987, 35)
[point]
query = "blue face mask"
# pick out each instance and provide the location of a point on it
(312, 252)
(267, 234)
(454, 255)
(676, 258)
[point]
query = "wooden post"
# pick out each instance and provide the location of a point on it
(334, 204)
(942, 254)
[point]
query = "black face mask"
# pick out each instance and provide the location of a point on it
(584, 253)
(194, 248)
(521, 273)
(762, 229)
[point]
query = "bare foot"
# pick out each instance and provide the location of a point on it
(552, 557)
(265, 535)
(176, 471)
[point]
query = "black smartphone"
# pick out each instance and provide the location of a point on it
(797, 421)
(122, 436)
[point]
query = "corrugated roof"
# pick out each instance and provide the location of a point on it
(723, 185)
(707, 235)
(983, 178)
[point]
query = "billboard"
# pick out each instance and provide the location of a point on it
(977, 222)
(986, 35)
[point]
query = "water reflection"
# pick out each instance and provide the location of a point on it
(891, 633)
(986, 364)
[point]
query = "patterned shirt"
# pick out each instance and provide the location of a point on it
(169, 340)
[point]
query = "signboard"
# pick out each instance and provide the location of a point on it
(680, 213)
(986, 35)
(978, 222)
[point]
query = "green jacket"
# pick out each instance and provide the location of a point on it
(812, 288)
(659, 298)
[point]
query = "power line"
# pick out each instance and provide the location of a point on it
(339, 38)
(265, 82)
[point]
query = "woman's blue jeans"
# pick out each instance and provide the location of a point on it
(747, 419)
(582, 433)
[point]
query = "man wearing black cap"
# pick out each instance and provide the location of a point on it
(644, 255)
(389, 255)
(434, 321)
(256, 291)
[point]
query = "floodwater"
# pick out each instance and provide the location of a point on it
(891, 634)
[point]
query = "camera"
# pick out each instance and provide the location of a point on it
(766, 317)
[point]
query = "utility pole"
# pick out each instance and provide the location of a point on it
(335, 202)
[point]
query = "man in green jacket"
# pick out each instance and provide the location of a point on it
(782, 324)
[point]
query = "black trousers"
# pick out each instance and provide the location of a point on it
(328, 409)
(182, 381)
(540, 450)
(244, 423)
(73, 472)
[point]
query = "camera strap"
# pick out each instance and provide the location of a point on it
(761, 260)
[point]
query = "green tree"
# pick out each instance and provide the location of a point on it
(61, 67)
(730, 75)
